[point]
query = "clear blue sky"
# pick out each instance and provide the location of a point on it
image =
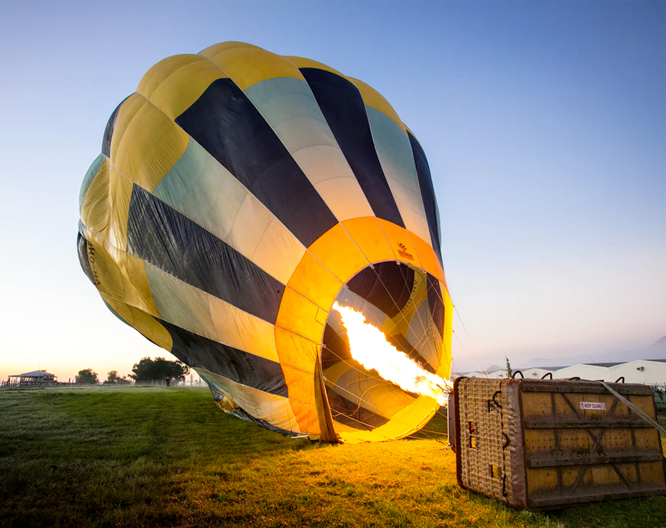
(544, 124)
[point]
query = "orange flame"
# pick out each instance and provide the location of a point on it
(369, 347)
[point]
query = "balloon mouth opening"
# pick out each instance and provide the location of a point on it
(404, 303)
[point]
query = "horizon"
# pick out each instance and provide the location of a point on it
(467, 367)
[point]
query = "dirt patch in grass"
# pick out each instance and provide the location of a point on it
(168, 457)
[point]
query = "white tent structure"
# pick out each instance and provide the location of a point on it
(647, 372)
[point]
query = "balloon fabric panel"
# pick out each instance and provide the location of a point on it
(397, 161)
(436, 304)
(90, 175)
(227, 125)
(160, 235)
(238, 195)
(289, 107)
(342, 105)
(237, 365)
(108, 131)
(374, 287)
(428, 194)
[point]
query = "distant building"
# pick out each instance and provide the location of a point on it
(647, 372)
(37, 377)
(532, 373)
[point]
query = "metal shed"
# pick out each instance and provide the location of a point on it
(36, 377)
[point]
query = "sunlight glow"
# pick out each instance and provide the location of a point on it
(369, 347)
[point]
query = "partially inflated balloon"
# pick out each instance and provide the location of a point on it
(238, 195)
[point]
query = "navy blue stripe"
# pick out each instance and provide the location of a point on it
(388, 286)
(347, 412)
(344, 110)
(82, 246)
(436, 303)
(231, 129)
(159, 234)
(108, 131)
(335, 349)
(229, 362)
(427, 194)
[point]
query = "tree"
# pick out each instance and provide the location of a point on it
(509, 372)
(114, 379)
(86, 377)
(159, 369)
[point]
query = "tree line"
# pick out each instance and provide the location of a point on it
(145, 371)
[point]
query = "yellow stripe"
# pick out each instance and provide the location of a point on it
(444, 370)
(297, 359)
(338, 252)
(302, 398)
(201, 313)
(146, 144)
(248, 65)
(119, 275)
(225, 46)
(278, 251)
(256, 335)
(373, 98)
(378, 396)
(315, 282)
(370, 238)
(401, 243)
(95, 206)
(301, 62)
(271, 408)
(175, 83)
(400, 323)
(336, 370)
(405, 422)
(105, 207)
(299, 315)
(143, 322)
(427, 257)
(296, 351)
(120, 196)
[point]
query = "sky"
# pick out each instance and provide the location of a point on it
(544, 124)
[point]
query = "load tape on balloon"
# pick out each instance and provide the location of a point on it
(239, 195)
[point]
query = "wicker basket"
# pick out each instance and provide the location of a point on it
(541, 444)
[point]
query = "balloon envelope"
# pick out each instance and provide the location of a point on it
(238, 195)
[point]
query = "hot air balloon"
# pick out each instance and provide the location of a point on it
(239, 195)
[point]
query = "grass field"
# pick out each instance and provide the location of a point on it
(170, 457)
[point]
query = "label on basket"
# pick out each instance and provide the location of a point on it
(592, 406)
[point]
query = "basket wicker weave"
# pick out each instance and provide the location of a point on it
(547, 444)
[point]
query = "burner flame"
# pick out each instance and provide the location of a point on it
(370, 347)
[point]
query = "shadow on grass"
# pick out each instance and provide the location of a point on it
(170, 457)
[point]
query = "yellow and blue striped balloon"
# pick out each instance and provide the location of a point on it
(239, 193)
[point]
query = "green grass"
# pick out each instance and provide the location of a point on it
(170, 457)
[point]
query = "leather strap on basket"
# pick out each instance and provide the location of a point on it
(638, 411)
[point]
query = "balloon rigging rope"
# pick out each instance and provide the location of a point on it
(402, 315)
(425, 327)
(470, 350)
(360, 399)
(374, 430)
(469, 353)
(471, 343)
(416, 303)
